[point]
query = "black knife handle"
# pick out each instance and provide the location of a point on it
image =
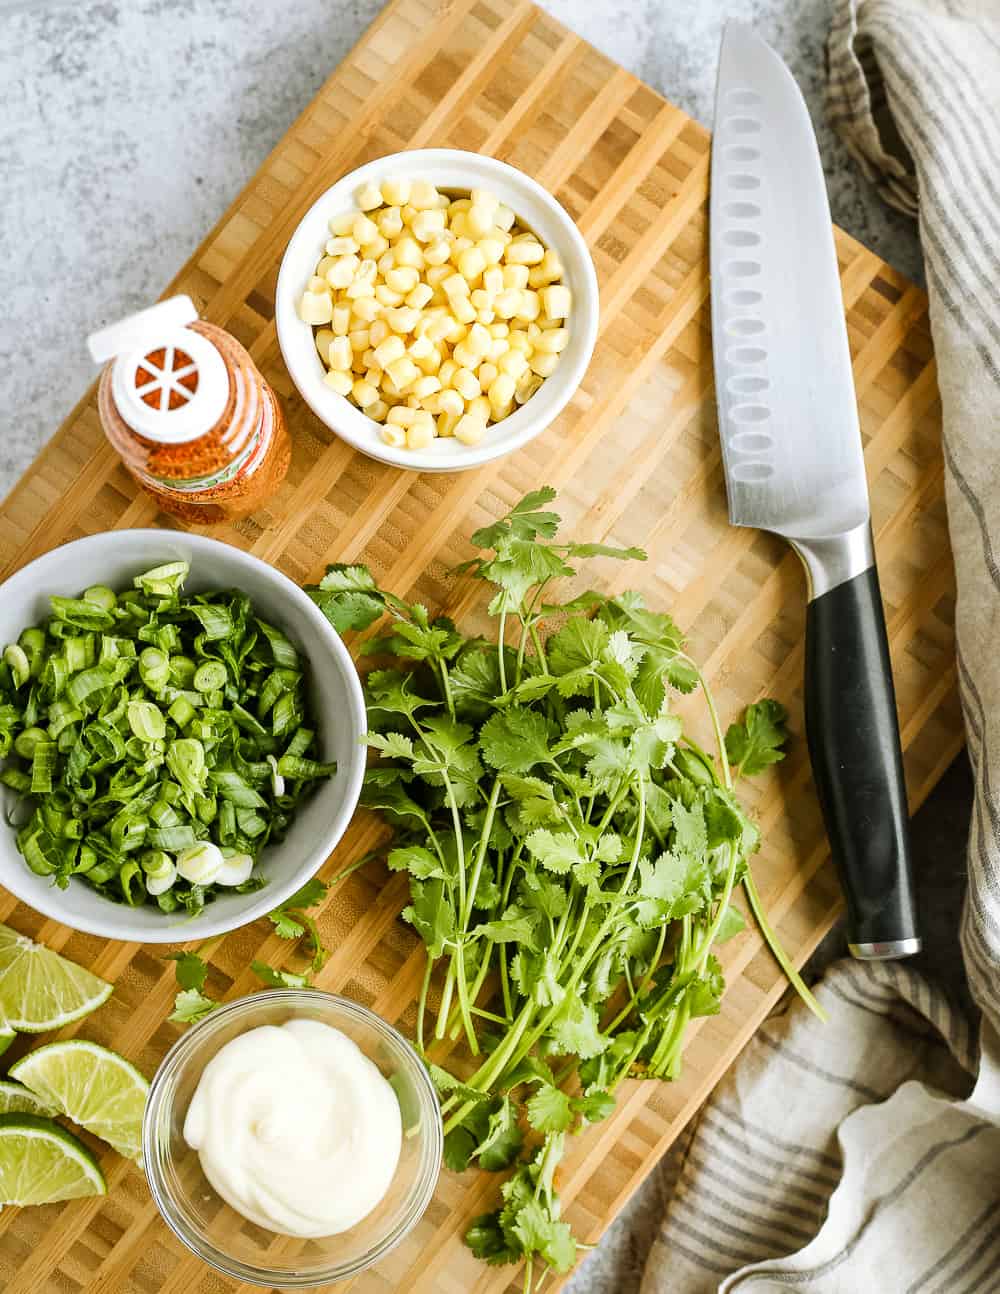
(857, 762)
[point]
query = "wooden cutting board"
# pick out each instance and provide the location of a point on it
(636, 460)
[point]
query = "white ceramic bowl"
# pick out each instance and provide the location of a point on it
(113, 558)
(454, 171)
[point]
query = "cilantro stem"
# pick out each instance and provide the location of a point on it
(502, 664)
(477, 867)
(780, 956)
(446, 687)
(539, 650)
(422, 1004)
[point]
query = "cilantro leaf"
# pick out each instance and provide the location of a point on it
(539, 1232)
(673, 886)
(595, 1106)
(504, 1138)
(278, 978)
(549, 1110)
(286, 926)
(348, 597)
(308, 896)
(416, 860)
(431, 915)
(732, 923)
(392, 745)
(756, 740)
(190, 970)
(515, 740)
(514, 926)
(557, 851)
(485, 1237)
(575, 1031)
(577, 645)
(190, 1006)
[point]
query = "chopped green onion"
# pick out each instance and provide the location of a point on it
(295, 766)
(163, 581)
(154, 668)
(181, 711)
(43, 765)
(210, 677)
(20, 667)
(101, 596)
(146, 720)
(26, 741)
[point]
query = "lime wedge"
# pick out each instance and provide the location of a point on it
(40, 1162)
(17, 1099)
(91, 1085)
(7, 1036)
(40, 990)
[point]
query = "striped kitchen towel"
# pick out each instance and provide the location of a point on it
(851, 1157)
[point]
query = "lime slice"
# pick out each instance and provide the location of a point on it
(7, 1036)
(40, 1162)
(17, 1099)
(40, 990)
(93, 1086)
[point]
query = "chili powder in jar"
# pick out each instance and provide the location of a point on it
(190, 414)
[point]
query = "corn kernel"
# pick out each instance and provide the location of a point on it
(479, 408)
(387, 296)
(486, 372)
(480, 299)
(457, 330)
(513, 362)
(408, 253)
(519, 340)
(393, 436)
(316, 284)
(499, 330)
(360, 340)
(545, 364)
(479, 221)
(368, 197)
(501, 392)
(341, 382)
(402, 278)
(470, 430)
(446, 424)
(437, 252)
(428, 226)
(420, 435)
(498, 346)
(395, 193)
(515, 276)
(471, 263)
(556, 301)
(552, 341)
(378, 410)
(365, 310)
(493, 280)
(455, 285)
(508, 303)
(485, 317)
(531, 306)
(359, 288)
(419, 296)
(484, 198)
(403, 319)
(503, 217)
(466, 383)
(402, 416)
(492, 248)
(340, 353)
(402, 371)
(390, 350)
(463, 310)
(364, 230)
(378, 332)
(526, 252)
(478, 341)
(390, 222)
(323, 339)
(449, 401)
(315, 307)
(342, 225)
(447, 371)
(423, 195)
(364, 394)
(425, 386)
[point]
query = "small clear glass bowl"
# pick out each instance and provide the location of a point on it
(210, 1227)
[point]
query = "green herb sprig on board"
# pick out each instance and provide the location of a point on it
(572, 852)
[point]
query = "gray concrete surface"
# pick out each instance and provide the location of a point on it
(127, 126)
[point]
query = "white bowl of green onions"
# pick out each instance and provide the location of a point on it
(180, 736)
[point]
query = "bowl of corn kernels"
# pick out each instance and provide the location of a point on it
(437, 309)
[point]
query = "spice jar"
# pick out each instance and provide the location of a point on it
(190, 414)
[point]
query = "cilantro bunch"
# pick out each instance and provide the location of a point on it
(572, 853)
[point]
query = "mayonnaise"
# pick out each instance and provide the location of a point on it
(296, 1128)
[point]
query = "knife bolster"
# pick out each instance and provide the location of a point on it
(833, 560)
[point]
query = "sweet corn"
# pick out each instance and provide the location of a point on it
(469, 429)
(420, 435)
(436, 315)
(341, 382)
(556, 301)
(340, 354)
(392, 435)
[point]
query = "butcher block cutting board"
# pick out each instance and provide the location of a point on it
(636, 460)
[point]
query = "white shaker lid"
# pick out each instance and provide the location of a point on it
(170, 384)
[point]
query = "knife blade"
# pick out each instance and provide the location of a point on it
(794, 465)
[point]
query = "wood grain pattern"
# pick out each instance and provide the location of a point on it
(636, 458)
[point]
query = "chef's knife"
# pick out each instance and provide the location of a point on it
(791, 446)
